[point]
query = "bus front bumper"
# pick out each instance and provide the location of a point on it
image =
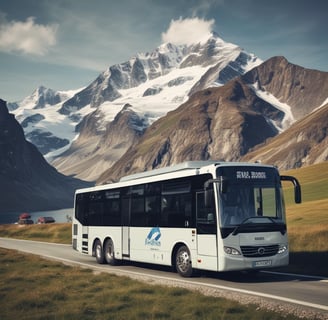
(238, 262)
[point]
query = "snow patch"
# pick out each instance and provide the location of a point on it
(284, 107)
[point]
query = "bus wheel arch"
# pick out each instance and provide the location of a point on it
(181, 260)
(109, 252)
(97, 251)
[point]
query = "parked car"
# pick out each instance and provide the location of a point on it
(42, 220)
(25, 221)
(24, 216)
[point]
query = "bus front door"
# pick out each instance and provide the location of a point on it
(207, 252)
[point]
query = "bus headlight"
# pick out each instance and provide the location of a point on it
(282, 248)
(230, 250)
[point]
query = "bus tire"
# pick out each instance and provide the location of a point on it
(109, 252)
(99, 252)
(183, 261)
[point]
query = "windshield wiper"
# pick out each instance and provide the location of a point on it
(246, 223)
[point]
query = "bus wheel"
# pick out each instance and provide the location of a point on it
(183, 262)
(109, 252)
(99, 252)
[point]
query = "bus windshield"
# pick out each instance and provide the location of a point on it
(250, 204)
(251, 198)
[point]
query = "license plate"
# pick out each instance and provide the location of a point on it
(262, 263)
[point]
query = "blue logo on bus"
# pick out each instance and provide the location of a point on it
(153, 237)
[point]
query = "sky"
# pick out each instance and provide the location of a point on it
(66, 44)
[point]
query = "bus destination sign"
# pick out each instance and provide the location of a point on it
(251, 175)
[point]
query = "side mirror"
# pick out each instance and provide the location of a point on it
(209, 197)
(209, 193)
(297, 187)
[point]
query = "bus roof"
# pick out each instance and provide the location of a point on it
(181, 170)
(174, 168)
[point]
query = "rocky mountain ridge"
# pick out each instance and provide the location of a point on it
(27, 181)
(228, 122)
(303, 144)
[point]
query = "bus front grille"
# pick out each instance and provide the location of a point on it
(259, 251)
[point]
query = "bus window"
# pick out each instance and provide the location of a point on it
(152, 210)
(80, 208)
(112, 210)
(138, 214)
(175, 187)
(153, 188)
(95, 213)
(265, 202)
(137, 190)
(176, 210)
(206, 222)
(95, 209)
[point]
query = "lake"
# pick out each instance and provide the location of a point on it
(59, 215)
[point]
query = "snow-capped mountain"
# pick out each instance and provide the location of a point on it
(151, 83)
(210, 100)
(43, 125)
(85, 132)
(243, 117)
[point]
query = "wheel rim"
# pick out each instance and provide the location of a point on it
(183, 261)
(109, 252)
(98, 250)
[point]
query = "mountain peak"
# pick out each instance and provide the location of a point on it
(40, 97)
(3, 109)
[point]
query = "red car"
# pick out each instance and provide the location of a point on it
(42, 220)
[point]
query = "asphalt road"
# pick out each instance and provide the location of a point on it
(295, 290)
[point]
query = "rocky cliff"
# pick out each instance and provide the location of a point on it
(27, 181)
(216, 123)
(304, 143)
(303, 90)
(91, 154)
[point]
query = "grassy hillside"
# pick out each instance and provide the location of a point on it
(314, 182)
(308, 221)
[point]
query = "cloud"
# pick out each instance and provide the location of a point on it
(27, 37)
(188, 31)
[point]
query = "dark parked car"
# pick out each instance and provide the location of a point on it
(46, 220)
(25, 221)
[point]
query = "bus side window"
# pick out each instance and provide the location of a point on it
(112, 210)
(96, 213)
(95, 209)
(152, 210)
(176, 210)
(138, 215)
(112, 214)
(80, 209)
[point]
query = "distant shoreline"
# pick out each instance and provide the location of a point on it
(59, 215)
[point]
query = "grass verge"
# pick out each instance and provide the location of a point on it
(33, 288)
(55, 232)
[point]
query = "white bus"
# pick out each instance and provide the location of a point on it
(207, 215)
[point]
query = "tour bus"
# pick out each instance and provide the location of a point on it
(208, 215)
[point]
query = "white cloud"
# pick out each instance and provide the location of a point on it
(27, 37)
(188, 31)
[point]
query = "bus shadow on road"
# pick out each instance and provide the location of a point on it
(260, 276)
(250, 276)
